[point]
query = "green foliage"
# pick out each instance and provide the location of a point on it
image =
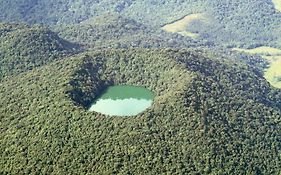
(202, 120)
(114, 31)
(24, 48)
(243, 23)
(213, 113)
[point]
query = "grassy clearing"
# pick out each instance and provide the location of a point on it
(264, 50)
(273, 73)
(273, 55)
(277, 4)
(180, 26)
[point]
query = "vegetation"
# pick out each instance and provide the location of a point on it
(277, 4)
(24, 48)
(263, 50)
(273, 72)
(214, 110)
(242, 24)
(210, 115)
(114, 31)
(181, 26)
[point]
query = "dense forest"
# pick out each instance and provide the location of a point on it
(24, 48)
(214, 112)
(240, 23)
(114, 31)
(199, 123)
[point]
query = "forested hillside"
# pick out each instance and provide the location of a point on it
(24, 48)
(210, 65)
(115, 31)
(240, 23)
(210, 115)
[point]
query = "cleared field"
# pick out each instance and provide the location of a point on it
(264, 50)
(273, 55)
(277, 4)
(273, 73)
(180, 26)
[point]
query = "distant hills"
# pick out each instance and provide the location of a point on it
(115, 31)
(24, 48)
(233, 24)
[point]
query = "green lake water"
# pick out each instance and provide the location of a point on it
(123, 101)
